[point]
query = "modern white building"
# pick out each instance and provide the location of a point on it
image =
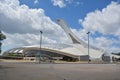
(78, 50)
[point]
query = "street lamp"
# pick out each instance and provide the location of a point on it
(40, 45)
(2, 37)
(88, 47)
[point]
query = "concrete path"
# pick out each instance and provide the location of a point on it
(33, 71)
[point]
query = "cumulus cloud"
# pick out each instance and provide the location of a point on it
(36, 1)
(13, 17)
(64, 3)
(105, 22)
(107, 44)
(21, 25)
(59, 3)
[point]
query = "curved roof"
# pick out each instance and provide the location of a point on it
(67, 49)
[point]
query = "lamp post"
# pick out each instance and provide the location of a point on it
(88, 47)
(2, 37)
(40, 46)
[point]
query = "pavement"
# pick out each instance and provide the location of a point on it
(51, 71)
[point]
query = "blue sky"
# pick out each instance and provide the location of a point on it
(21, 20)
(72, 12)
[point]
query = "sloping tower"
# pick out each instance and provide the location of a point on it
(69, 33)
(78, 43)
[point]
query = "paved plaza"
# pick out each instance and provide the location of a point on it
(33, 71)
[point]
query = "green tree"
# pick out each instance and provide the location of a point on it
(2, 37)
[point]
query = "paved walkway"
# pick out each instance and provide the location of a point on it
(33, 71)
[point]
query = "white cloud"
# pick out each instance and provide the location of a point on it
(21, 25)
(59, 3)
(107, 44)
(102, 42)
(64, 3)
(107, 23)
(36, 1)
